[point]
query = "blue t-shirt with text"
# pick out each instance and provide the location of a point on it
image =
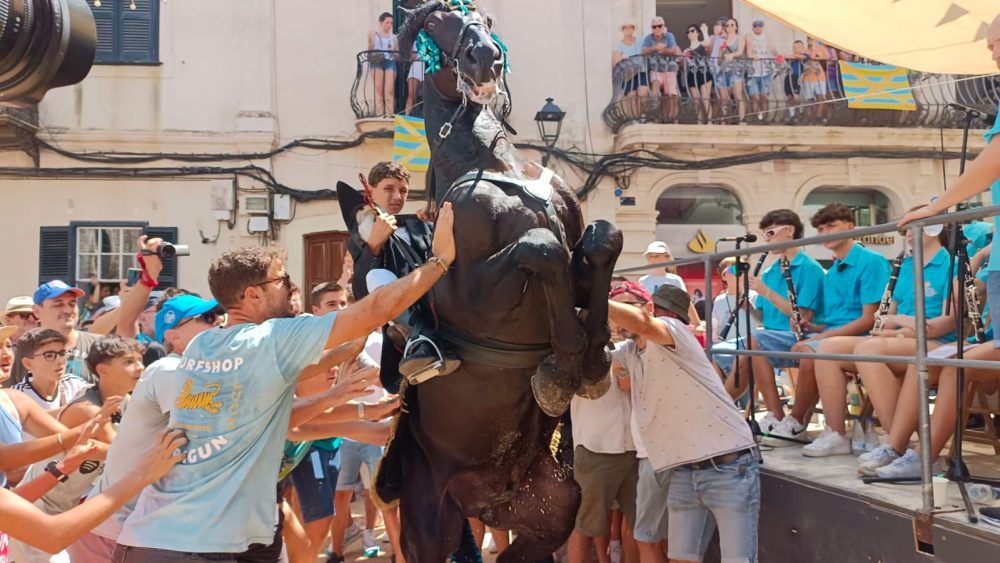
(233, 398)
(807, 279)
(859, 279)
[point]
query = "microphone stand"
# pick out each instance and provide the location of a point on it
(743, 296)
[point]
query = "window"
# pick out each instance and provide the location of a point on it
(105, 252)
(698, 205)
(871, 207)
(73, 253)
(128, 31)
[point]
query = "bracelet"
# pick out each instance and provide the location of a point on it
(361, 411)
(60, 440)
(145, 279)
(440, 263)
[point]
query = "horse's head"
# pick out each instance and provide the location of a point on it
(465, 48)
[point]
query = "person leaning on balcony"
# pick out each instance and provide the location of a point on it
(897, 337)
(759, 48)
(698, 75)
(814, 88)
(383, 65)
(734, 47)
(635, 80)
(660, 48)
(852, 291)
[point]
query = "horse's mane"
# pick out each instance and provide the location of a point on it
(414, 22)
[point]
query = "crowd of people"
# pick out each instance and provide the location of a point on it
(726, 72)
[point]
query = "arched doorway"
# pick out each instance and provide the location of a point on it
(691, 218)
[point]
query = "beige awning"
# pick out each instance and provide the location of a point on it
(928, 35)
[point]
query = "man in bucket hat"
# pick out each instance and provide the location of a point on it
(710, 472)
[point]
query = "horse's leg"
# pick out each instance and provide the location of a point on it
(592, 266)
(430, 528)
(541, 510)
(541, 254)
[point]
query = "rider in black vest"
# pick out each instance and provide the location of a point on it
(381, 239)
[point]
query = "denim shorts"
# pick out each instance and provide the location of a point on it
(315, 480)
(352, 456)
(651, 504)
(726, 361)
(779, 341)
(993, 296)
(727, 496)
(757, 85)
(387, 64)
(726, 78)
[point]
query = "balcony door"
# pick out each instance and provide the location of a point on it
(679, 13)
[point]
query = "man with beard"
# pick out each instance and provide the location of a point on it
(234, 390)
(55, 308)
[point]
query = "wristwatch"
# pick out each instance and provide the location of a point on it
(54, 471)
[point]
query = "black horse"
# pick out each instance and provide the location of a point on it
(525, 305)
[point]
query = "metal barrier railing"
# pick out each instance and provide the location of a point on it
(919, 359)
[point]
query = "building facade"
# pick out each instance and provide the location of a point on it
(253, 108)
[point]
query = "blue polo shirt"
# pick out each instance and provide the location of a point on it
(935, 289)
(807, 278)
(859, 279)
(995, 200)
(982, 275)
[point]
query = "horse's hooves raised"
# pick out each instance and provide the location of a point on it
(551, 397)
(595, 390)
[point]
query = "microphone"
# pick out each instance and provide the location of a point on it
(745, 238)
(989, 118)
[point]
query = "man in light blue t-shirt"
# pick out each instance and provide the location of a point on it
(233, 396)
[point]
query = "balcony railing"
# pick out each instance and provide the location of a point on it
(769, 92)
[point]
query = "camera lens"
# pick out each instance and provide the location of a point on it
(43, 44)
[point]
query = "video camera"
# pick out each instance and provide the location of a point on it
(44, 44)
(167, 250)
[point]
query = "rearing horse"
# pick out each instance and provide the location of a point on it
(476, 442)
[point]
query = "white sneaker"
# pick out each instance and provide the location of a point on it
(370, 543)
(768, 423)
(615, 551)
(829, 443)
(879, 457)
(789, 428)
(906, 465)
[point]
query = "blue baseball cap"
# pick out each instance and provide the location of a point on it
(54, 289)
(179, 308)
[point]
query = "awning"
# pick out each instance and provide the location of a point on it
(928, 35)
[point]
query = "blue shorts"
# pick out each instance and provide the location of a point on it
(315, 480)
(352, 456)
(641, 79)
(726, 361)
(387, 64)
(727, 496)
(726, 78)
(993, 296)
(758, 85)
(779, 341)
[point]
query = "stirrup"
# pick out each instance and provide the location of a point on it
(434, 369)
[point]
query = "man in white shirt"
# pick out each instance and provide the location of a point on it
(658, 252)
(689, 436)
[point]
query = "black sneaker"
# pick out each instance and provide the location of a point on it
(991, 515)
(332, 557)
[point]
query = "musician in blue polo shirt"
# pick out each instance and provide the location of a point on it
(780, 225)
(894, 335)
(852, 290)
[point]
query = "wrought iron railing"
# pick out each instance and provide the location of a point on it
(715, 90)
(368, 101)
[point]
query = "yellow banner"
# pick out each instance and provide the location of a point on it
(409, 143)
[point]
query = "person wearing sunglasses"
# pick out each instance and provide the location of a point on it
(732, 70)
(43, 354)
(780, 225)
(18, 313)
(698, 76)
(660, 48)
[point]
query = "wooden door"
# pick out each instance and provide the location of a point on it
(324, 259)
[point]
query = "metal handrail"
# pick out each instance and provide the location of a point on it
(919, 359)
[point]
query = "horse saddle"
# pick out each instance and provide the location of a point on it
(535, 193)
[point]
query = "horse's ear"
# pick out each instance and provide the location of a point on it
(414, 22)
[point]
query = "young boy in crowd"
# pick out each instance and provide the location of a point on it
(852, 290)
(43, 354)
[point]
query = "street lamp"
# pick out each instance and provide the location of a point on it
(549, 121)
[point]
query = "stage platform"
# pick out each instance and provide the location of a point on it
(818, 510)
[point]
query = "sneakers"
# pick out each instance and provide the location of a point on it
(615, 551)
(370, 543)
(829, 443)
(906, 465)
(768, 423)
(879, 457)
(990, 515)
(788, 428)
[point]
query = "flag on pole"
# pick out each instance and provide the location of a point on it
(876, 87)
(409, 143)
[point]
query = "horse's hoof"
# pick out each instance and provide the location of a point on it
(595, 390)
(553, 399)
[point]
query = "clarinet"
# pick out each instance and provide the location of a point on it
(883, 306)
(741, 301)
(793, 300)
(973, 307)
